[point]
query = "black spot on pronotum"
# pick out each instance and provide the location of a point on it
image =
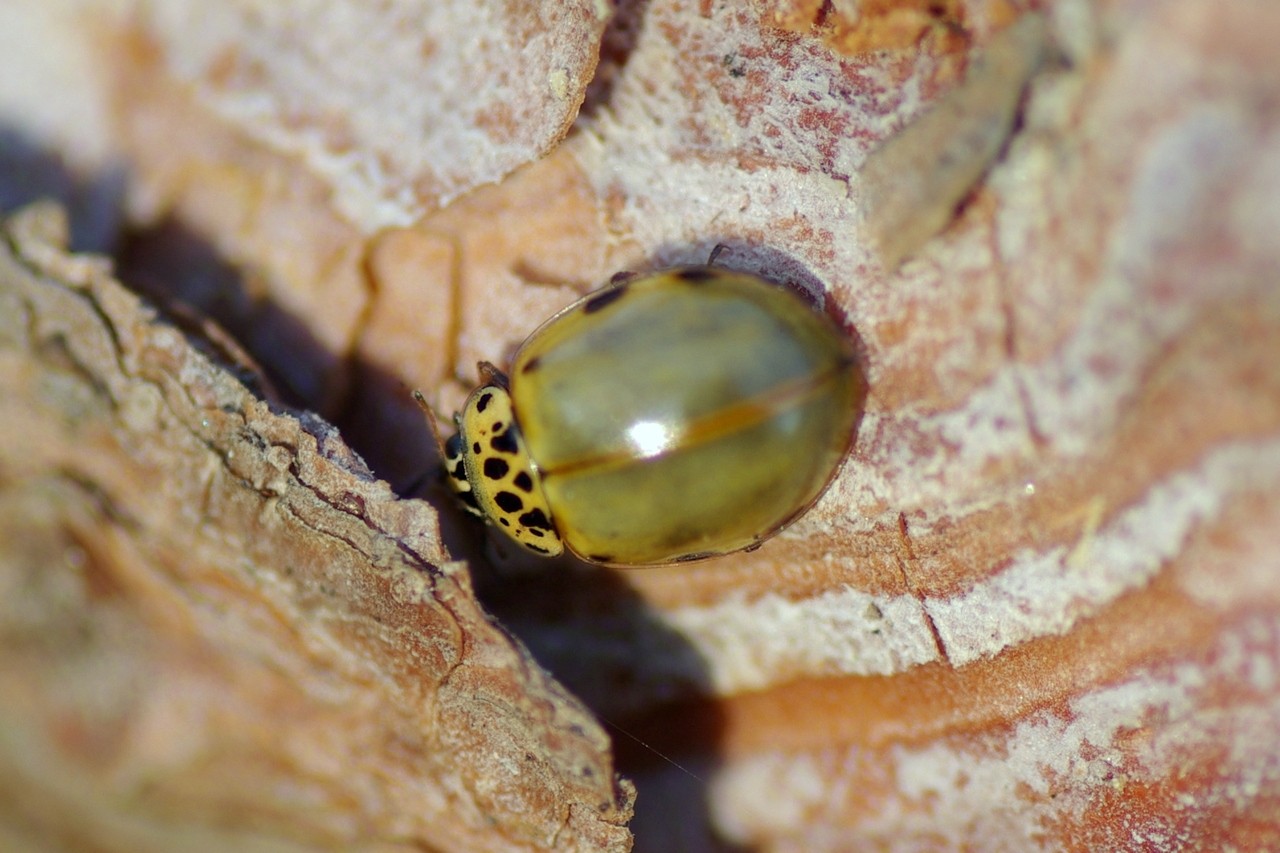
(535, 519)
(531, 365)
(603, 299)
(523, 481)
(504, 443)
(495, 468)
(483, 402)
(508, 502)
(695, 275)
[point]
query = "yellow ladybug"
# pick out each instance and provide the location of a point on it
(667, 417)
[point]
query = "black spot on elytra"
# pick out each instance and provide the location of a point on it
(535, 519)
(483, 402)
(523, 482)
(475, 448)
(508, 501)
(503, 521)
(504, 443)
(537, 548)
(695, 275)
(531, 365)
(495, 468)
(603, 299)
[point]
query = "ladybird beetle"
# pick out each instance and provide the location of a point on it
(666, 417)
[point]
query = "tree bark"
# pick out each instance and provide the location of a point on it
(1038, 606)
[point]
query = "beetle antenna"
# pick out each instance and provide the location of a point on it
(491, 375)
(431, 419)
(716, 251)
(620, 730)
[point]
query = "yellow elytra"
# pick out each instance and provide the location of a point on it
(667, 417)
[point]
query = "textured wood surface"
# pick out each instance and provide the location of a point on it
(1039, 606)
(212, 609)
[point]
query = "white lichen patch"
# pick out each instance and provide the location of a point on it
(1003, 790)
(1122, 328)
(401, 106)
(1046, 592)
(717, 129)
(737, 646)
(748, 646)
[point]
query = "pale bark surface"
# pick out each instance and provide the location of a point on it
(1038, 607)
